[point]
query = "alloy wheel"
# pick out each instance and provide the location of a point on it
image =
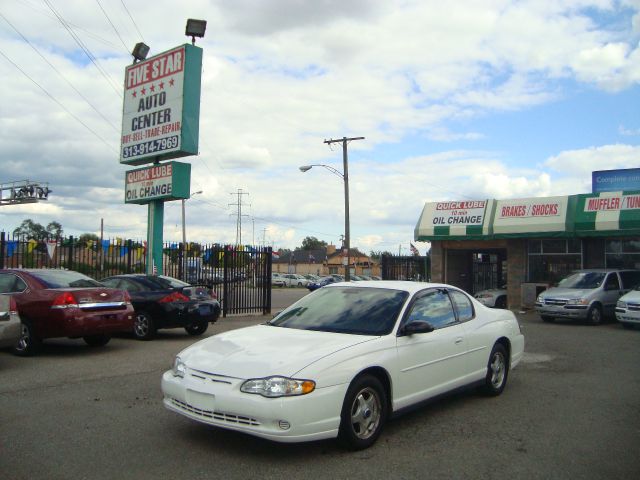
(366, 412)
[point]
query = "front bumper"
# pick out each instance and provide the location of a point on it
(623, 315)
(217, 400)
(567, 311)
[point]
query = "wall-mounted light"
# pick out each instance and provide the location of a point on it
(195, 28)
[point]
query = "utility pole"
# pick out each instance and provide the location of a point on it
(345, 176)
(239, 216)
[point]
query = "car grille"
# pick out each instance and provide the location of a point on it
(220, 416)
(634, 307)
(201, 375)
(555, 301)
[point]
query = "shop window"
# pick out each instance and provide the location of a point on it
(555, 259)
(554, 246)
(622, 253)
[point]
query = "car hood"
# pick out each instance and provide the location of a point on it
(632, 296)
(265, 350)
(568, 293)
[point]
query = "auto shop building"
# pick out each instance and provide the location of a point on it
(529, 244)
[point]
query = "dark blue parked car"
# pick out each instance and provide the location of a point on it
(321, 283)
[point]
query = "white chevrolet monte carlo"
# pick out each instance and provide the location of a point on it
(342, 360)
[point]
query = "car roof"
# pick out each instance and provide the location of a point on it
(605, 270)
(411, 287)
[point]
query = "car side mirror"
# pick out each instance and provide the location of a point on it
(419, 326)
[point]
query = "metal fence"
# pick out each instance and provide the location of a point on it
(415, 268)
(239, 274)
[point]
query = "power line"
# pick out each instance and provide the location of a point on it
(126, 49)
(58, 102)
(132, 20)
(60, 74)
(84, 48)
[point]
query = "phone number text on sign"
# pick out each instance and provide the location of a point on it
(152, 146)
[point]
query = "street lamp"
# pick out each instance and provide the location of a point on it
(184, 237)
(345, 178)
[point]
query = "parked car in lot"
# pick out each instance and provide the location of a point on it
(321, 283)
(492, 297)
(294, 280)
(62, 303)
(165, 302)
(277, 280)
(10, 326)
(628, 309)
(589, 295)
(341, 360)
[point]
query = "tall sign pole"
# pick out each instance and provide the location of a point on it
(160, 121)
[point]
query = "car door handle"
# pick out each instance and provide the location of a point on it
(458, 340)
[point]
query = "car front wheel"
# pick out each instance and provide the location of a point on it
(144, 328)
(497, 371)
(197, 328)
(364, 413)
(594, 317)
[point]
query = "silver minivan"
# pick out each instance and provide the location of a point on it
(587, 295)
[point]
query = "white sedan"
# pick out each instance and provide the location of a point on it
(342, 360)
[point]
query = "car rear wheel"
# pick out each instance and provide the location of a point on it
(364, 413)
(497, 371)
(197, 328)
(97, 340)
(594, 317)
(28, 344)
(143, 327)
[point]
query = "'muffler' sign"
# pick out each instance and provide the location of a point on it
(161, 107)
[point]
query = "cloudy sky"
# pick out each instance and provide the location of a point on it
(460, 100)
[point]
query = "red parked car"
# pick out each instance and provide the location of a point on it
(63, 303)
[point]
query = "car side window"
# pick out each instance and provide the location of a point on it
(630, 279)
(130, 286)
(111, 282)
(10, 283)
(612, 282)
(433, 307)
(464, 307)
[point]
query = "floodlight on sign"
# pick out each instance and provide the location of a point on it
(195, 28)
(140, 51)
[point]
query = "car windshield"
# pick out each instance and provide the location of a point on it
(352, 310)
(586, 280)
(64, 279)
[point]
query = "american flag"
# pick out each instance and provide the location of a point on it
(414, 250)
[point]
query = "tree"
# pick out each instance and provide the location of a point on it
(312, 243)
(378, 255)
(30, 229)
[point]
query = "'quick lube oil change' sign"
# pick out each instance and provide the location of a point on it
(161, 109)
(166, 181)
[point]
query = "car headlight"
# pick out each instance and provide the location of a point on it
(578, 301)
(179, 368)
(274, 387)
(540, 299)
(621, 304)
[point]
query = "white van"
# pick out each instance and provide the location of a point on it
(587, 295)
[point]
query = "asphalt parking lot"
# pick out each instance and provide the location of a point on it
(571, 410)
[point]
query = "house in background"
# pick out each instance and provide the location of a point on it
(324, 261)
